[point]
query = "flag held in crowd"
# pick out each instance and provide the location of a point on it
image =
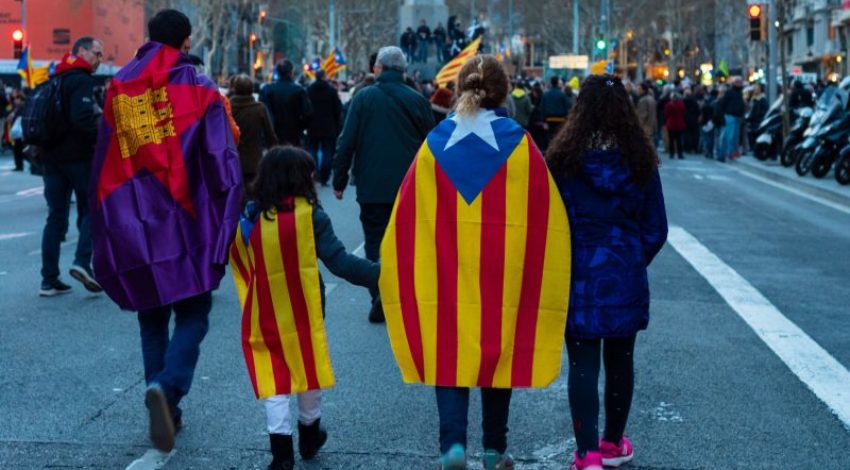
(33, 76)
(475, 268)
(334, 63)
(274, 265)
(450, 71)
(168, 192)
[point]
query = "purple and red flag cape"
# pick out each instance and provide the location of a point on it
(166, 187)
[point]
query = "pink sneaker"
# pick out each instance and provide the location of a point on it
(591, 461)
(614, 455)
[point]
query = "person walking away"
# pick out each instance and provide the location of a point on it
(383, 129)
(733, 107)
(440, 36)
(442, 101)
(423, 37)
(165, 206)
(408, 44)
(757, 111)
(536, 124)
(288, 105)
(706, 121)
(253, 120)
(325, 124)
(691, 135)
(661, 103)
(555, 106)
(67, 169)
(522, 105)
(646, 111)
(472, 263)
(283, 202)
(14, 117)
(674, 116)
(607, 174)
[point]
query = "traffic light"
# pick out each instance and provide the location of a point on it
(253, 38)
(601, 44)
(18, 43)
(262, 18)
(757, 22)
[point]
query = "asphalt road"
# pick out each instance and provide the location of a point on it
(710, 391)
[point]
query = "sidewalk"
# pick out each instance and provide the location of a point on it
(825, 187)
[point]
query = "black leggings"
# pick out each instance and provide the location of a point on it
(583, 388)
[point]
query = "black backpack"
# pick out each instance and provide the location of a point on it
(43, 119)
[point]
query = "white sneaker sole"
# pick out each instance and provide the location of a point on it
(52, 292)
(618, 461)
(87, 281)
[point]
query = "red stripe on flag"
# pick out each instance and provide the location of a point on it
(240, 266)
(532, 274)
(268, 323)
(288, 238)
(492, 273)
(246, 339)
(446, 241)
(406, 254)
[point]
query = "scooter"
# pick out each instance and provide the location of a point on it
(832, 138)
(769, 133)
(830, 108)
(842, 166)
(802, 117)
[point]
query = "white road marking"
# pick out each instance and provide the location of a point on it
(152, 460)
(811, 197)
(10, 236)
(718, 177)
(813, 365)
(64, 244)
(360, 250)
(36, 191)
(697, 176)
(330, 287)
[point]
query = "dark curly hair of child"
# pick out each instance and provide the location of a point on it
(603, 117)
(285, 173)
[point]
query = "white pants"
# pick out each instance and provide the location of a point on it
(277, 411)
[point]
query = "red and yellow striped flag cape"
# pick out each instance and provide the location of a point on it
(475, 273)
(276, 272)
(450, 71)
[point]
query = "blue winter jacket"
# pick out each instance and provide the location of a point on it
(617, 229)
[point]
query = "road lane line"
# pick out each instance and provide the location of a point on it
(36, 191)
(360, 250)
(811, 197)
(813, 365)
(10, 236)
(152, 460)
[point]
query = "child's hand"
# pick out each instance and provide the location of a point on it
(338, 194)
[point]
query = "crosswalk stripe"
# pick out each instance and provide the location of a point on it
(813, 365)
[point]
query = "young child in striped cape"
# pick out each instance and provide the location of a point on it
(282, 234)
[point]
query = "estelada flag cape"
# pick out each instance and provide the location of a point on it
(475, 262)
(274, 265)
(166, 190)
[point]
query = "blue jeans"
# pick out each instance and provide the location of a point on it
(729, 137)
(423, 51)
(707, 143)
(453, 405)
(60, 179)
(171, 363)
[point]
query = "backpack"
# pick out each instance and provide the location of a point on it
(43, 118)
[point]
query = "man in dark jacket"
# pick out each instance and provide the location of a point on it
(383, 130)
(67, 168)
(439, 36)
(288, 105)
(691, 136)
(324, 124)
(555, 106)
(733, 107)
(423, 37)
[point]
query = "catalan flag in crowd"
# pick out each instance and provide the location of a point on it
(475, 273)
(276, 272)
(311, 68)
(450, 71)
(33, 76)
(334, 63)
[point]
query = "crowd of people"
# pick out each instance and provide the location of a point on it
(174, 181)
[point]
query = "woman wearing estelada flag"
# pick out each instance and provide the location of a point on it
(476, 265)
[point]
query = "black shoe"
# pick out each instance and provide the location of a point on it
(57, 287)
(311, 438)
(86, 277)
(161, 423)
(283, 456)
(681, 157)
(376, 314)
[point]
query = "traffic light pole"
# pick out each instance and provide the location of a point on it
(772, 45)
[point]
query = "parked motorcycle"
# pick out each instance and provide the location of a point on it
(832, 138)
(829, 109)
(802, 117)
(842, 166)
(769, 133)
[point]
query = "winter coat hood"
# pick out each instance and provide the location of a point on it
(71, 62)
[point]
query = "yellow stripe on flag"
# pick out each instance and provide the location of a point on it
(468, 290)
(425, 272)
(450, 71)
(516, 216)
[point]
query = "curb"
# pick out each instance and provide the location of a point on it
(792, 181)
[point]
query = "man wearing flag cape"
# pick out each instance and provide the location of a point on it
(165, 203)
(475, 274)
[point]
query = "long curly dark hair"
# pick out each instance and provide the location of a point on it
(285, 173)
(603, 117)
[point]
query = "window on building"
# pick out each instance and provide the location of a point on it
(810, 36)
(790, 46)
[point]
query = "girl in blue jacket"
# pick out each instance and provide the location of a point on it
(607, 173)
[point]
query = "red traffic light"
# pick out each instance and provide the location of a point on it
(754, 11)
(17, 35)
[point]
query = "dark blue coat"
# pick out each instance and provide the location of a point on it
(617, 229)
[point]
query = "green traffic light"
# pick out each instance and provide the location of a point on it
(600, 44)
